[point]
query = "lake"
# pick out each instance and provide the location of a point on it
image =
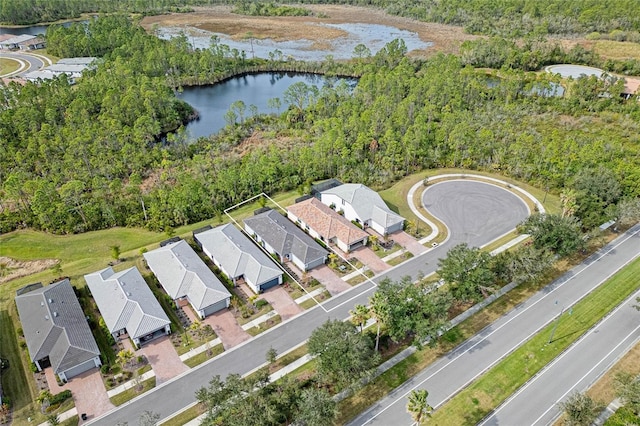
(32, 29)
(213, 102)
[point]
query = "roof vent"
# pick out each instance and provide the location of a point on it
(55, 314)
(50, 301)
(46, 317)
(129, 293)
(41, 303)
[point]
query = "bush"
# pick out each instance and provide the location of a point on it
(105, 369)
(260, 303)
(61, 397)
(622, 417)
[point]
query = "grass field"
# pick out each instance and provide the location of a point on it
(203, 356)
(131, 393)
(485, 394)
(617, 49)
(8, 66)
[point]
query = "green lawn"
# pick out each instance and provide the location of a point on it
(8, 66)
(271, 322)
(203, 356)
(131, 393)
(478, 399)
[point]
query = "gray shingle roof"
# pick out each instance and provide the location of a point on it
(367, 203)
(238, 255)
(54, 325)
(182, 273)
(126, 301)
(285, 237)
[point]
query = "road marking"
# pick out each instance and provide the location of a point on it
(545, 296)
(561, 356)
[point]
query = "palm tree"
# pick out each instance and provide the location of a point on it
(418, 406)
(377, 309)
(359, 316)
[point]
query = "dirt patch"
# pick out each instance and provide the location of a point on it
(445, 38)
(11, 268)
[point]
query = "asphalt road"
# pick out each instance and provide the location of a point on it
(179, 392)
(575, 370)
(449, 375)
(33, 62)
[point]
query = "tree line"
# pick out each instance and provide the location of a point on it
(90, 157)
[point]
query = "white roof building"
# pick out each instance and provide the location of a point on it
(363, 205)
(183, 275)
(127, 305)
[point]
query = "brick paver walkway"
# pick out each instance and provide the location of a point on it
(332, 282)
(408, 242)
(87, 390)
(227, 328)
(369, 258)
(163, 358)
(281, 302)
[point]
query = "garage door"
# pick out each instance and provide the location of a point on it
(79, 369)
(212, 309)
(269, 284)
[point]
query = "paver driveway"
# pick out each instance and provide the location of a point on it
(227, 329)
(89, 393)
(332, 282)
(408, 242)
(163, 358)
(282, 303)
(369, 258)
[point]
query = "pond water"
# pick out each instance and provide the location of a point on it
(32, 29)
(213, 102)
(574, 71)
(374, 36)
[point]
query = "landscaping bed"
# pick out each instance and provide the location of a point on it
(197, 334)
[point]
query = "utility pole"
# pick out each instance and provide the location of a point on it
(556, 324)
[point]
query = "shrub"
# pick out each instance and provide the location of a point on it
(260, 303)
(61, 397)
(105, 369)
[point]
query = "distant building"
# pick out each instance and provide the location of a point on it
(56, 329)
(239, 258)
(127, 305)
(184, 276)
(71, 67)
(327, 225)
(279, 236)
(363, 205)
(15, 42)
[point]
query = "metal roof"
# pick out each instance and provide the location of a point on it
(285, 237)
(54, 325)
(126, 301)
(367, 203)
(182, 273)
(238, 255)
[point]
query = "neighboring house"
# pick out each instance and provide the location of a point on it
(32, 44)
(327, 225)
(239, 258)
(80, 60)
(128, 305)
(363, 205)
(278, 235)
(15, 41)
(56, 329)
(184, 276)
(71, 67)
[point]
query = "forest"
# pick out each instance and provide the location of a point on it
(512, 18)
(90, 156)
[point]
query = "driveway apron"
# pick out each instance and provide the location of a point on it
(163, 358)
(282, 303)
